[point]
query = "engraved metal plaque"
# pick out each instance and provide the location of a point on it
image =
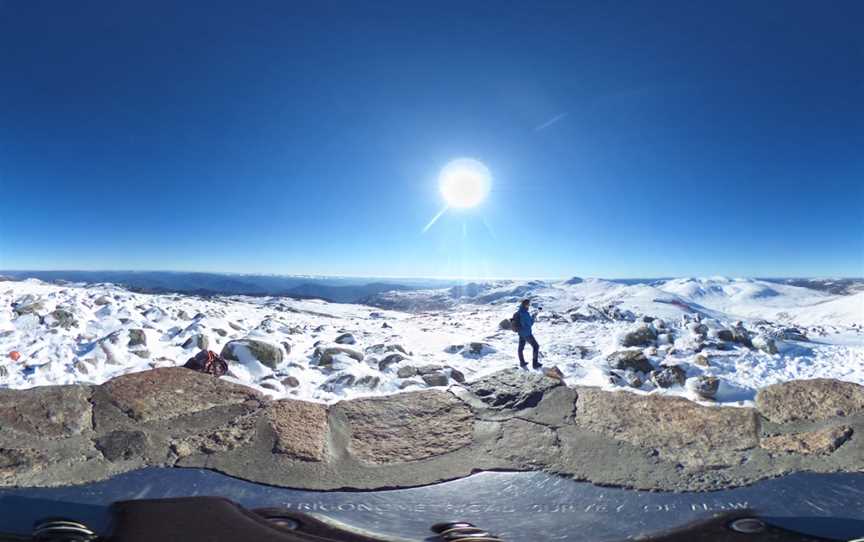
(516, 506)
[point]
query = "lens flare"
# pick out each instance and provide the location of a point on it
(465, 183)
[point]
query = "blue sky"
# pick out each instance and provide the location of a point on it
(626, 139)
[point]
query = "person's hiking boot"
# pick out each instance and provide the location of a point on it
(523, 365)
(537, 365)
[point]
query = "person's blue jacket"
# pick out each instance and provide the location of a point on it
(525, 322)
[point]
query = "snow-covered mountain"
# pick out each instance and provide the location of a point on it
(673, 336)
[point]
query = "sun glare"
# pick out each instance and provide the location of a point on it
(465, 182)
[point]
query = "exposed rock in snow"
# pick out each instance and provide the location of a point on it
(766, 344)
(669, 376)
(248, 350)
(345, 338)
(201, 342)
(28, 306)
(62, 318)
(407, 371)
(704, 387)
(625, 379)
(641, 336)
(391, 359)
(435, 379)
(127, 332)
(325, 354)
(632, 360)
(137, 338)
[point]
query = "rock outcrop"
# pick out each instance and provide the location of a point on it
(511, 420)
(512, 388)
(809, 442)
(167, 393)
(678, 429)
(405, 427)
(641, 336)
(243, 349)
(813, 400)
(629, 360)
(325, 354)
(300, 428)
(45, 412)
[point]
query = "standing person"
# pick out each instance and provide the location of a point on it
(522, 321)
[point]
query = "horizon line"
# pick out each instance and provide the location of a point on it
(421, 277)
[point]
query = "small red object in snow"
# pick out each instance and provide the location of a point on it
(14, 355)
(209, 362)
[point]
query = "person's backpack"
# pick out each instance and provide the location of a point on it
(207, 361)
(515, 322)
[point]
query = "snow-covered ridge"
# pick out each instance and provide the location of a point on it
(324, 351)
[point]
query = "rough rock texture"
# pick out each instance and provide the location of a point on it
(679, 429)
(435, 379)
(166, 393)
(512, 388)
(628, 378)
(817, 399)
(513, 420)
(61, 318)
(526, 442)
(407, 371)
(235, 434)
(48, 412)
(629, 360)
(640, 336)
(122, 445)
(325, 354)
(810, 442)
(666, 377)
(300, 428)
(407, 427)
(704, 386)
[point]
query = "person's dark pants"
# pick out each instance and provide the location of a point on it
(533, 342)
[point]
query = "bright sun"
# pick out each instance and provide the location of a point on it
(465, 182)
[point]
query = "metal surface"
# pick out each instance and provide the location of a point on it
(514, 506)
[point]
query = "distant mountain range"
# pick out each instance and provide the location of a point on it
(334, 289)
(832, 286)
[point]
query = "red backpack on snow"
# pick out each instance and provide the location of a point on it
(207, 361)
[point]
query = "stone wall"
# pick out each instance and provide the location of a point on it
(514, 420)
